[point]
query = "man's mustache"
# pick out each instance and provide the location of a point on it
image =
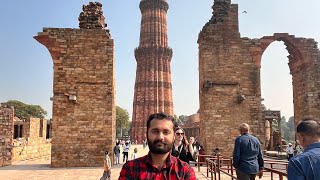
(159, 141)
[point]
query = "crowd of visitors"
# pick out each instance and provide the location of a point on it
(170, 153)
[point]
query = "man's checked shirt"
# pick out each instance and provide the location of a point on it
(142, 168)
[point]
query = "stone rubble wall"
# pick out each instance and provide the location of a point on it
(32, 146)
(6, 134)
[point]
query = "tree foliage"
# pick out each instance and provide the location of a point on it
(122, 118)
(24, 111)
(287, 128)
(182, 119)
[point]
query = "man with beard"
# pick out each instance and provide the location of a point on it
(159, 163)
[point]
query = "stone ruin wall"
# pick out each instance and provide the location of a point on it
(83, 67)
(226, 72)
(304, 65)
(229, 69)
(6, 134)
(83, 119)
(31, 146)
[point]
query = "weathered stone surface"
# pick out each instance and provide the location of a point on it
(153, 88)
(33, 144)
(229, 69)
(83, 119)
(6, 134)
(92, 16)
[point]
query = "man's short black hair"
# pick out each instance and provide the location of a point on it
(161, 116)
(309, 127)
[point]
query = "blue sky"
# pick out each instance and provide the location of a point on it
(26, 68)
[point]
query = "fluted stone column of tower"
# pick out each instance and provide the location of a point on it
(153, 88)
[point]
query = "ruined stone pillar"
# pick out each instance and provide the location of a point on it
(153, 88)
(271, 146)
(83, 119)
(228, 81)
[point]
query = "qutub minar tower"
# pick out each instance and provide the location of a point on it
(153, 88)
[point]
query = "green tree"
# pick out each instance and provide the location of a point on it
(284, 128)
(24, 111)
(122, 118)
(291, 127)
(182, 119)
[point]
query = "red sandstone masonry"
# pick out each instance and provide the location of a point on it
(153, 88)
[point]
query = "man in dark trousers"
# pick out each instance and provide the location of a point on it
(247, 156)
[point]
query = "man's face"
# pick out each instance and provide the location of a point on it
(160, 136)
(191, 140)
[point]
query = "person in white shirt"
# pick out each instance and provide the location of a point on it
(126, 148)
(134, 154)
(289, 151)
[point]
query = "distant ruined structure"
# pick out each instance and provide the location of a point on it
(83, 118)
(273, 135)
(192, 126)
(153, 88)
(229, 78)
(26, 139)
(31, 139)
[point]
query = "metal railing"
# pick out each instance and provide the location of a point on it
(276, 168)
(218, 165)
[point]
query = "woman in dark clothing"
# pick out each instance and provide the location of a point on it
(181, 148)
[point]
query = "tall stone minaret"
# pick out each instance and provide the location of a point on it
(153, 88)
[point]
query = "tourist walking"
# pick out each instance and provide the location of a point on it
(278, 148)
(247, 156)
(289, 151)
(116, 151)
(144, 144)
(159, 163)
(106, 167)
(134, 154)
(126, 149)
(306, 166)
(182, 149)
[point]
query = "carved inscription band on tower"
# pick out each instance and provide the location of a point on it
(153, 88)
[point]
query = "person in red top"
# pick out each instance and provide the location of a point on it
(158, 164)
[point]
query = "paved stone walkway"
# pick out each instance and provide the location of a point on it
(40, 170)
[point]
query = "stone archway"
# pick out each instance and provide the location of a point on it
(229, 78)
(304, 59)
